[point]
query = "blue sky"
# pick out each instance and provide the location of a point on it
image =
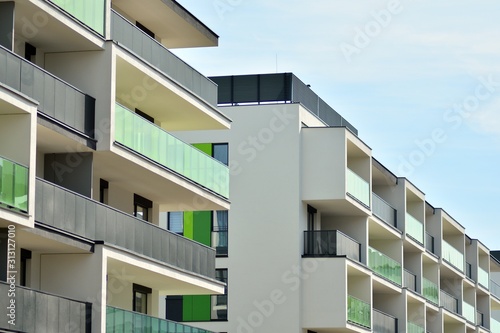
(420, 80)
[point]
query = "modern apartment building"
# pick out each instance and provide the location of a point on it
(89, 93)
(321, 237)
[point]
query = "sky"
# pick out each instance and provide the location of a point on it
(420, 80)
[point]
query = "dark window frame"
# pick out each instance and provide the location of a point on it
(137, 288)
(142, 202)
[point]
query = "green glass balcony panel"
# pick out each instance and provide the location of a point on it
(89, 12)
(430, 291)
(384, 266)
(358, 187)
(483, 277)
(494, 326)
(358, 311)
(414, 328)
(156, 144)
(468, 312)
(452, 255)
(13, 185)
(123, 321)
(414, 228)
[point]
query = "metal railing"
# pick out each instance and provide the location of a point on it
(430, 291)
(383, 210)
(452, 255)
(124, 321)
(14, 185)
(479, 318)
(135, 40)
(153, 142)
(429, 243)
(384, 323)
(410, 280)
(358, 311)
(448, 301)
(414, 228)
(384, 266)
(73, 213)
(57, 99)
(90, 12)
(483, 277)
(358, 187)
(469, 312)
(330, 243)
(44, 312)
(468, 270)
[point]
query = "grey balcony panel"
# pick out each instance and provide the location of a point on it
(86, 218)
(383, 210)
(57, 99)
(42, 312)
(135, 40)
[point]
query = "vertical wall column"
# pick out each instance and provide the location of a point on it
(7, 25)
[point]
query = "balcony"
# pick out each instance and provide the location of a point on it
(156, 144)
(414, 228)
(452, 256)
(430, 291)
(123, 321)
(483, 277)
(42, 312)
(78, 215)
(448, 302)
(384, 323)
(384, 266)
(414, 328)
(330, 243)
(429, 243)
(494, 326)
(91, 12)
(57, 99)
(150, 50)
(358, 187)
(469, 312)
(14, 185)
(410, 280)
(384, 211)
(495, 288)
(358, 311)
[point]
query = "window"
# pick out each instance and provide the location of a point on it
(145, 30)
(25, 267)
(103, 191)
(142, 207)
(29, 52)
(176, 222)
(220, 232)
(220, 152)
(219, 302)
(145, 116)
(140, 301)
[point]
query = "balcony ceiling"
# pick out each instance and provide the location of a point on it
(44, 31)
(172, 23)
(172, 107)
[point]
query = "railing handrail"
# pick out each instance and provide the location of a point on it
(47, 293)
(384, 255)
(162, 319)
(160, 44)
(380, 198)
(383, 313)
(12, 161)
(357, 299)
(167, 132)
(44, 71)
(120, 212)
(409, 272)
(336, 231)
(447, 294)
(356, 174)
